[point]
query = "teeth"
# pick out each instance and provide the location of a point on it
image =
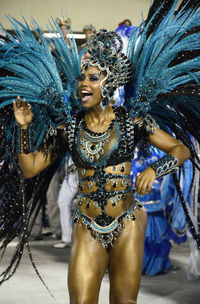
(85, 91)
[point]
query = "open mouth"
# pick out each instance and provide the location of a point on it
(85, 95)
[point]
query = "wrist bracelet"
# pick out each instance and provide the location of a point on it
(24, 139)
(165, 165)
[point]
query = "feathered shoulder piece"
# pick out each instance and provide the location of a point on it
(165, 56)
(42, 71)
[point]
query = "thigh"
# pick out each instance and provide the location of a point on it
(125, 260)
(88, 262)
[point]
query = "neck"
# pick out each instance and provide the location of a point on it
(98, 114)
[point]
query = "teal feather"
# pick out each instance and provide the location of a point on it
(165, 56)
(151, 57)
(36, 75)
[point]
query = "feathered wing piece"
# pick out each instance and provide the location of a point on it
(32, 72)
(36, 74)
(68, 62)
(165, 54)
(160, 8)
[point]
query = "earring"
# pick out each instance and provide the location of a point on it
(101, 105)
(77, 95)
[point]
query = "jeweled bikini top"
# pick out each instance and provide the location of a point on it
(115, 146)
(91, 150)
(97, 151)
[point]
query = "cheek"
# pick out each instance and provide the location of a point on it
(98, 91)
(78, 87)
(97, 87)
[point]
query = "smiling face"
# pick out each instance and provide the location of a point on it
(89, 87)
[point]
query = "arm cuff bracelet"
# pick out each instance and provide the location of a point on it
(24, 139)
(149, 123)
(165, 165)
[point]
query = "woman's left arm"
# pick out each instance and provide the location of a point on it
(168, 144)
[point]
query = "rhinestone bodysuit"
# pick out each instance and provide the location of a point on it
(98, 151)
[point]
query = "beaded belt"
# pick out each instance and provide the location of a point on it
(106, 235)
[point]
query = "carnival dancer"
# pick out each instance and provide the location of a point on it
(106, 207)
(109, 222)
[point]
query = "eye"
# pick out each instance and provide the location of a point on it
(81, 77)
(94, 78)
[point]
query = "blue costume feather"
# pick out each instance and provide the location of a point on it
(36, 75)
(166, 70)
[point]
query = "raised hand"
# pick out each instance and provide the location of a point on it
(22, 112)
(145, 181)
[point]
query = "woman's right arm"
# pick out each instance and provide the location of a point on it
(32, 163)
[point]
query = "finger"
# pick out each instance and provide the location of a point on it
(150, 184)
(18, 102)
(24, 103)
(139, 187)
(138, 180)
(148, 190)
(143, 187)
(14, 105)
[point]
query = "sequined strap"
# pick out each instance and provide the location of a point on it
(107, 223)
(70, 132)
(107, 177)
(149, 123)
(101, 198)
(54, 143)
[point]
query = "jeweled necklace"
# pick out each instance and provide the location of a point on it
(93, 143)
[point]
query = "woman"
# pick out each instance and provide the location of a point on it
(110, 223)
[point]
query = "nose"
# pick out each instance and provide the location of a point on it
(83, 82)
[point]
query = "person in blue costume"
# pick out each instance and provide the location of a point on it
(166, 218)
(51, 119)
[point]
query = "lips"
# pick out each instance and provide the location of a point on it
(85, 95)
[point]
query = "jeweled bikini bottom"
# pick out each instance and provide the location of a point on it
(106, 235)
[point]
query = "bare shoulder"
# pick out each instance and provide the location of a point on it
(136, 119)
(61, 126)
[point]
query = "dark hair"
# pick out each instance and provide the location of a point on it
(124, 22)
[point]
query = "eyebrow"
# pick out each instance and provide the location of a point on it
(92, 74)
